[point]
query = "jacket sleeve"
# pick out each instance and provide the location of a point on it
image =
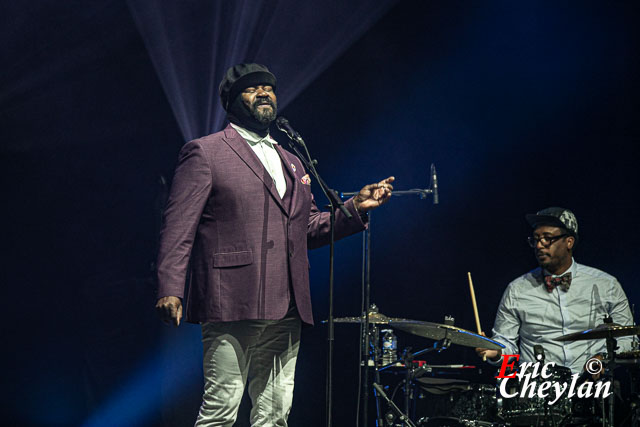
(318, 231)
(189, 193)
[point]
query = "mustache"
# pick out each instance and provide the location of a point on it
(263, 101)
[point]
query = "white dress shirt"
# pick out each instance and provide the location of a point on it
(266, 152)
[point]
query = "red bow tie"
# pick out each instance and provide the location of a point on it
(563, 282)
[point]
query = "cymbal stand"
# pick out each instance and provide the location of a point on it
(411, 372)
(374, 343)
(401, 416)
(611, 366)
(635, 343)
(634, 401)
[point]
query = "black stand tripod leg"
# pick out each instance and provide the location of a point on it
(401, 416)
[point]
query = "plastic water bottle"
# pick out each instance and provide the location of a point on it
(389, 347)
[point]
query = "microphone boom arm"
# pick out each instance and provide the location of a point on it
(421, 192)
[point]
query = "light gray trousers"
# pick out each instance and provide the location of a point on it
(262, 352)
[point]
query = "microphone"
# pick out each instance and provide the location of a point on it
(434, 184)
(284, 126)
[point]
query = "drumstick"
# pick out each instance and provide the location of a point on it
(475, 309)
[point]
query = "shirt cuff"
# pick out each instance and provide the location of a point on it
(364, 216)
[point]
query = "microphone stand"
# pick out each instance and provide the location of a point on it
(334, 204)
(365, 334)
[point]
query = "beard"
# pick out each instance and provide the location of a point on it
(553, 263)
(264, 115)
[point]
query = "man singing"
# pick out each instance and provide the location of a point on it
(242, 214)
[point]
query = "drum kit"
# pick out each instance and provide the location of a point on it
(454, 395)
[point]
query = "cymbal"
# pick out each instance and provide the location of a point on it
(374, 318)
(436, 331)
(606, 330)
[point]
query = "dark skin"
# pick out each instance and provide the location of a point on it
(554, 255)
(261, 101)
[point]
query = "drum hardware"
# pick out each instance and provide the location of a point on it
(412, 372)
(371, 347)
(365, 336)
(630, 360)
(535, 411)
(474, 403)
(454, 422)
(462, 401)
(401, 416)
(444, 334)
(608, 331)
(538, 352)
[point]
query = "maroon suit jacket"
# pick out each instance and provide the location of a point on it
(225, 217)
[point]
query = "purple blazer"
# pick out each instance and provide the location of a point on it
(224, 215)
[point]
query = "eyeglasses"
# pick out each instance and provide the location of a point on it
(545, 240)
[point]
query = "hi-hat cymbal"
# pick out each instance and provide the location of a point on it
(436, 331)
(606, 330)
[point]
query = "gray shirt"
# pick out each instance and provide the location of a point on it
(528, 315)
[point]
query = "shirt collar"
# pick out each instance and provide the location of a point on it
(573, 268)
(253, 138)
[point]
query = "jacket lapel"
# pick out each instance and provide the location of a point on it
(246, 154)
(287, 161)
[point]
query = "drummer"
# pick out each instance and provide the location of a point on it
(557, 298)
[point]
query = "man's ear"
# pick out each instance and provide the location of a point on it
(571, 241)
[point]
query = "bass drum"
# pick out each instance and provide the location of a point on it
(535, 411)
(446, 402)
